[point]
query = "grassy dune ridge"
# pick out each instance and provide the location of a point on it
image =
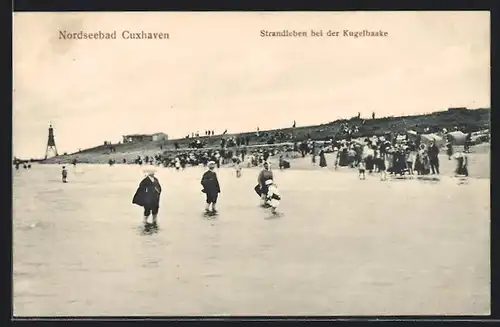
(473, 119)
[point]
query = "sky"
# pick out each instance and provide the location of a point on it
(215, 72)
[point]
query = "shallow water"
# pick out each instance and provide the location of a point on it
(341, 247)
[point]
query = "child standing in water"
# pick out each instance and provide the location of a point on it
(148, 196)
(273, 196)
(461, 168)
(64, 174)
(211, 188)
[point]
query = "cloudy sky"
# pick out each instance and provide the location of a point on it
(216, 72)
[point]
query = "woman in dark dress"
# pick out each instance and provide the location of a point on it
(148, 196)
(322, 159)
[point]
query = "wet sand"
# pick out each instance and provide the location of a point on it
(342, 246)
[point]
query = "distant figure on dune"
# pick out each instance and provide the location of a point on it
(211, 188)
(148, 196)
(64, 174)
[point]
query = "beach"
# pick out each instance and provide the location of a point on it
(341, 246)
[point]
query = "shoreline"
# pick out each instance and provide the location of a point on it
(479, 164)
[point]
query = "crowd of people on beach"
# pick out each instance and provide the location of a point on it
(372, 155)
(397, 155)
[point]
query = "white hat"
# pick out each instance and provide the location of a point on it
(269, 182)
(150, 171)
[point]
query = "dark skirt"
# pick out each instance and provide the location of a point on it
(380, 164)
(462, 171)
(261, 190)
(343, 159)
(212, 197)
(369, 163)
(322, 161)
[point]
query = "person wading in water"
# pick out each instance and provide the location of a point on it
(261, 188)
(211, 188)
(148, 196)
(64, 174)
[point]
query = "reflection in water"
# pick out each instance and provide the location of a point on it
(149, 229)
(344, 246)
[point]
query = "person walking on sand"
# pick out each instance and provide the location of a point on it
(361, 169)
(211, 188)
(381, 166)
(313, 152)
(64, 174)
(148, 196)
(237, 166)
(322, 158)
(433, 157)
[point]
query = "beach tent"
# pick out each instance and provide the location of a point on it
(457, 137)
(480, 136)
(360, 141)
(427, 138)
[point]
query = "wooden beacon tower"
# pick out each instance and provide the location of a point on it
(51, 144)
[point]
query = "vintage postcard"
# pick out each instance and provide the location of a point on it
(251, 163)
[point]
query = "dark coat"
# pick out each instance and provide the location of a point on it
(210, 182)
(264, 175)
(148, 193)
(433, 151)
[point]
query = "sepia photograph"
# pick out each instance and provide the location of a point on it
(251, 163)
